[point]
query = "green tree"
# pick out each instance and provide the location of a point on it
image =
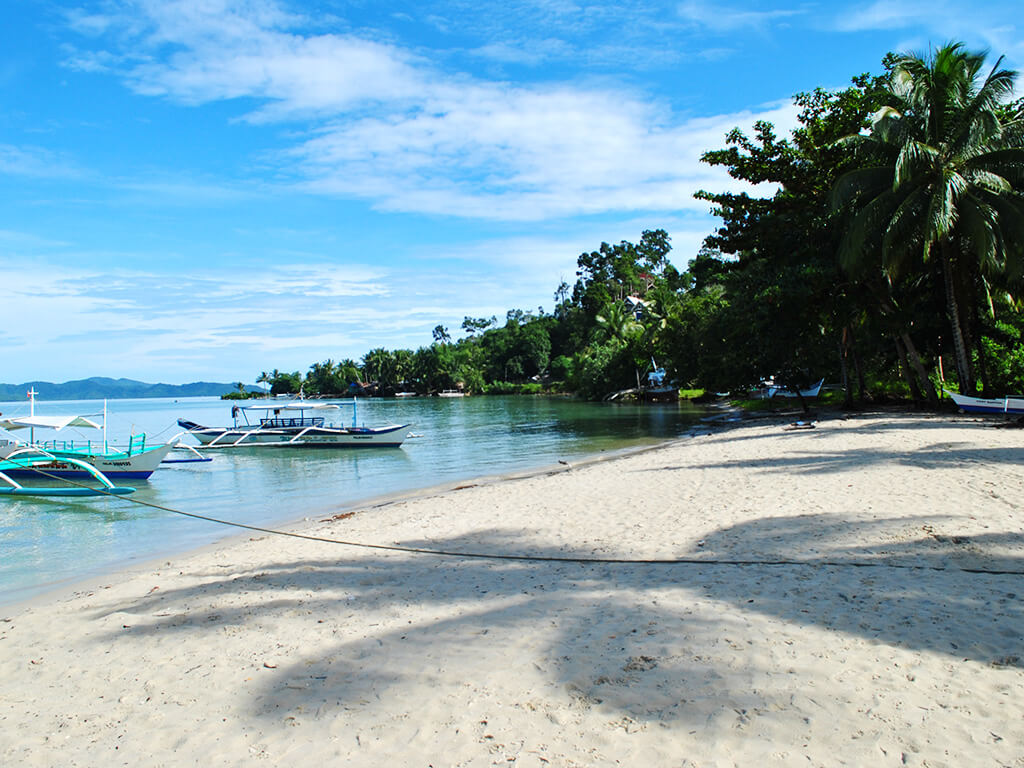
(326, 378)
(617, 322)
(441, 335)
(781, 301)
(387, 368)
(264, 378)
(613, 272)
(945, 185)
(474, 325)
(285, 383)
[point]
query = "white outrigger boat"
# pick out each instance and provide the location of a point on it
(770, 389)
(288, 425)
(1004, 405)
(65, 457)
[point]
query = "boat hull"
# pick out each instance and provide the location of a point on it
(660, 394)
(995, 405)
(809, 392)
(117, 466)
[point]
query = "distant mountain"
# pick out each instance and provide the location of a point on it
(99, 387)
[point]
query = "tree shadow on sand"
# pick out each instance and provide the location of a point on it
(814, 460)
(635, 639)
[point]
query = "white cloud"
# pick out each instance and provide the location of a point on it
(148, 325)
(527, 155)
(34, 161)
(728, 18)
(528, 52)
(889, 14)
(391, 128)
(218, 50)
(991, 25)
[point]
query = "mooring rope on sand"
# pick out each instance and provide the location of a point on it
(540, 558)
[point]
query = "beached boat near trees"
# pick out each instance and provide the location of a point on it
(1004, 405)
(773, 390)
(288, 425)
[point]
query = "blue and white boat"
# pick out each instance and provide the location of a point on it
(1004, 405)
(134, 461)
(36, 463)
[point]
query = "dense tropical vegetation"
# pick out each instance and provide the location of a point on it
(888, 258)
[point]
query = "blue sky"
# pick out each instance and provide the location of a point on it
(207, 189)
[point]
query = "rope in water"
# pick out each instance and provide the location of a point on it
(545, 558)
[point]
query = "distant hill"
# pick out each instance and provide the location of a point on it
(99, 387)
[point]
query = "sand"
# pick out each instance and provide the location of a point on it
(849, 594)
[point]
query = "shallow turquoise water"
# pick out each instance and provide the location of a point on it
(46, 543)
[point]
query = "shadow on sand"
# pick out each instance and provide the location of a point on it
(633, 639)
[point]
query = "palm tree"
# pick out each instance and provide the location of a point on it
(264, 378)
(379, 366)
(948, 183)
(617, 322)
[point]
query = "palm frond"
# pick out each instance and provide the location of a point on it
(903, 234)
(859, 183)
(943, 208)
(979, 229)
(1009, 210)
(1007, 163)
(987, 180)
(863, 232)
(914, 159)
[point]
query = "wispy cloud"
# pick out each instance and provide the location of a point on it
(994, 25)
(387, 125)
(891, 14)
(223, 321)
(36, 162)
(727, 18)
(527, 155)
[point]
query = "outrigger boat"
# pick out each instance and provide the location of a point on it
(134, 461)
(35, 461)
(1004, 405)
(771, 390)
(288, 425)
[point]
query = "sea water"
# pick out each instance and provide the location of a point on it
(47, 543)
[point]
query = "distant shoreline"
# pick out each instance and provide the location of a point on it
(100, 388)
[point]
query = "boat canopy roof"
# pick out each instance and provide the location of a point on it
(289, 407)
(47, 422)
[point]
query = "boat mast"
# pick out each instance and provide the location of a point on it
(32, 412)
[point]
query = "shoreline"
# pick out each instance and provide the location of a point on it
(287, 649)
(65, 588)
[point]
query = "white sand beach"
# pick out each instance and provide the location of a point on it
(876, 619)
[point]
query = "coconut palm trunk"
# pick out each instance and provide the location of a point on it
(961, 353)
